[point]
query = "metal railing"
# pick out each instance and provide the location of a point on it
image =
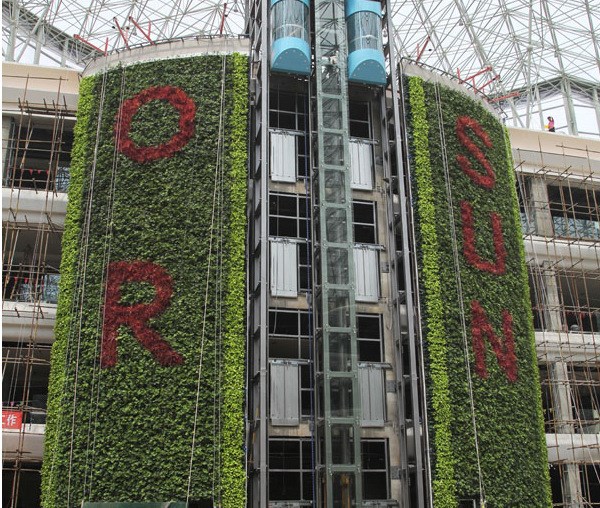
(31, 287)
(43, 179)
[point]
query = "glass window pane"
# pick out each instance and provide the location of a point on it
(336, 225)
(337, 266)
(342, 402)
(339, 308)
(343, 490)
(340, 355)
(342, 444)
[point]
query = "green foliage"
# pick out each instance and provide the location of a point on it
(80, 155)
(233, 360)
(128, 433)
(503, 419)
(433, 311)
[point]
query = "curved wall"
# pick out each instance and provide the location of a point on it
(484, 405)
(146, 390)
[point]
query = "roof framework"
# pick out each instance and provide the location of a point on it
(532, 58)
(535, 58)
(33, 29)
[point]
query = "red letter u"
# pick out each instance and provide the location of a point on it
(499, 266)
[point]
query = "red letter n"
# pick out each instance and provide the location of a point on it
(137, 315)
(468, 229)
(504, 351)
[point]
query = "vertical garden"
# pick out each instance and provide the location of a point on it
(484, 405)
(146, 392)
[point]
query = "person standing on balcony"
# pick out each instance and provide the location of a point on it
(550, 124)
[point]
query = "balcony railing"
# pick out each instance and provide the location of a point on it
(40, 287)
(571, 227)
(527, 224)
(43, 179)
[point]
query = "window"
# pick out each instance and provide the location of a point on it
(26, 482)
(30, 286)
(370, 338)
(547, 400)
(304, 266)
(38, 157)
(283, 157)
(288, 156)
(288, 110)
(290, 267)
(290, 470)
(364, 222)
(288, 215)
(375, 468)
(288, 219)
(590, 484)
(585, 388)
(360, 119)
(306, 391)
(289, 334)
(580, 299)
(525, 209)
(26, 389)
(539, 298)
(291, 392)
(289, 339)
(575, 211)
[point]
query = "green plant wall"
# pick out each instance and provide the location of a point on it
(134, 423)
(484, 404)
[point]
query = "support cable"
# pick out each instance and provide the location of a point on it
(458, 279)
(208, 272)
(106, 257)
(79, 293)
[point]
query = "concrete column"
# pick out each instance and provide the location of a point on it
(6, 129)
(572, 496)
(540, 206)
(551, 297)
(563, 415)
(561, 395)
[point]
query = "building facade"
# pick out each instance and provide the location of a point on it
(374, 379)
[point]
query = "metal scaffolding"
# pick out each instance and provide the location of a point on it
(36, 141)
(559, 190)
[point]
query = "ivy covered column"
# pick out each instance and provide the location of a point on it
(486, 428)
(146, 396)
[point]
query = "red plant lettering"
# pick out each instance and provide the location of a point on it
(179, 100)
(504, 351)
(488, 180)
(499, 266)
(137, 315)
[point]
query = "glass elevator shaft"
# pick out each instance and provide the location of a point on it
(338, 405)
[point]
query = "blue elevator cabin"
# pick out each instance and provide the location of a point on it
(366, 63)
(290, 36)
